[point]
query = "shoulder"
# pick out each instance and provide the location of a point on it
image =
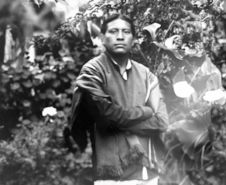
(139, 66)
(96, 63)
(142, 69)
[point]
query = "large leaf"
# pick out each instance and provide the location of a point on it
(190, 132)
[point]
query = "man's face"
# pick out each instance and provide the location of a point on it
(118, 38)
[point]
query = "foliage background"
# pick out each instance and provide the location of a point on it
(32, 149)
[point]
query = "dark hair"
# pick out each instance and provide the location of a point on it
(114, 17)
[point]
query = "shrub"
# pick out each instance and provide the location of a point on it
(37, 155)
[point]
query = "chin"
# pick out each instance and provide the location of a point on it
(121, 52)
(118, 52)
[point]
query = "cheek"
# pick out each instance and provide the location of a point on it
(130, 42)
(108, 41)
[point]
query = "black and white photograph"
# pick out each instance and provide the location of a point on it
(112, 92)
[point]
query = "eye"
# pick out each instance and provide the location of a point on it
(127, 31)
(113, 31)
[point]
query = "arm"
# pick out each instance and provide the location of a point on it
(159, 120)
(113, 115)
(99, 104)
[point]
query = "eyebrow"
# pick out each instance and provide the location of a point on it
(119, 29)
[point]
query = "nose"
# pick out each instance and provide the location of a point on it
(120, 35)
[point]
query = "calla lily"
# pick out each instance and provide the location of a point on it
(152, 28)
(173, 42)
(215, 96)
(182, 89)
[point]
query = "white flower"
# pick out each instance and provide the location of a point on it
(49, 111)
(152, 29)
(182, 89)
(215, 96)
(222, 41)
(173, 42)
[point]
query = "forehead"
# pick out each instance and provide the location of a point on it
(118, 24)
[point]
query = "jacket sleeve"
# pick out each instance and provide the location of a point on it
(159, 120)
(101, 106)
(112, 115)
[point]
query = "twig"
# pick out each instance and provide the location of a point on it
(184, 180)
(170, 26)
(171, 149)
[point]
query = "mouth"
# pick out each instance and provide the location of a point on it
(120, 45)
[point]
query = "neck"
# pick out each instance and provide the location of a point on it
(121, 59)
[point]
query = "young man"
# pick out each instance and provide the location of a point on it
(124, 101)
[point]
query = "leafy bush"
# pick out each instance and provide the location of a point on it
(46, 82)
(37, 155)
(213, 157)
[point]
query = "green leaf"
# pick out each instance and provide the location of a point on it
(25, 75)
(26, 122)
(5, 67)
(5, 79)
(64, 79)
(27, 83)
(15, 86)
(71, 76)
(213, 180)
(49, 75)
(201, 138)
(42, 96)
(30, 161)
(67, 181)
(189, 132)
(60, 114)
(26, 103)
(210, 168)
(56, 83)
(39, 77)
